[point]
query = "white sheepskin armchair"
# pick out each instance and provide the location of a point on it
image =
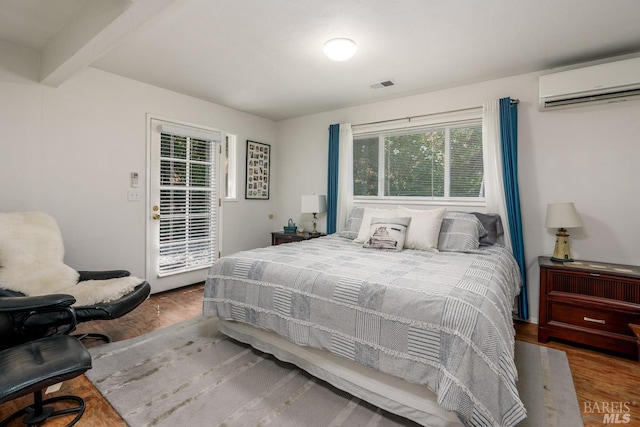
(32, 262)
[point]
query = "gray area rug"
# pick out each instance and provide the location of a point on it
(190, 374)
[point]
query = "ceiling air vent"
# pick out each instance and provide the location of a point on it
(385, 83)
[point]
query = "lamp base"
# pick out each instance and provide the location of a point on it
(562, 251)
(315, 220)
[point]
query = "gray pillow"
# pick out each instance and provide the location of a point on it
(460, 232)
(493, 224)
(354, 221)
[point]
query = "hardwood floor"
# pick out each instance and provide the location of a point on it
(599, 378)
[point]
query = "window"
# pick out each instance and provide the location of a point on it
(436, 162)
(230, 168)
(187, 200)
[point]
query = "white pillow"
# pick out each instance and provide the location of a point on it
(424, 228)
(363, 233)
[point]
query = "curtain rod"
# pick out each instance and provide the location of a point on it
(409, 118)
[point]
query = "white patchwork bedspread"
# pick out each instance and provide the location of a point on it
(438, 319)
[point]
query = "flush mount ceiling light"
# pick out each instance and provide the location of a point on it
(340, 49)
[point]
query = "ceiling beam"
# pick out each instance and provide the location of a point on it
(99, 26)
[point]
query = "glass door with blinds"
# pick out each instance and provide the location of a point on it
(184, 201)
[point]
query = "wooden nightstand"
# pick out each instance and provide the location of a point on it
(591, 303)
(280, 237)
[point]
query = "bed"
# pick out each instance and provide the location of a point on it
(422, 334)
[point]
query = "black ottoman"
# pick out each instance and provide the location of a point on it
(35, 365)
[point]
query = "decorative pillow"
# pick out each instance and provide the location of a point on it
(387, 233)
(460, 232)
(424, 229)
(352, 227)
(493, 224)
(363, 233)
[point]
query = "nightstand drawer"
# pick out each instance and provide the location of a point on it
(285, 238)
(588, 317)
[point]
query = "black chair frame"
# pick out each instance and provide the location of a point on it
(101, 311)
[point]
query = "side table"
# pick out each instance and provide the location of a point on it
(590, 303)
(280, 237)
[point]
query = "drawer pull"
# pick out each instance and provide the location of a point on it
(590, 319)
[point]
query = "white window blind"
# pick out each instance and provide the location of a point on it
(188, 200)
(434, 162)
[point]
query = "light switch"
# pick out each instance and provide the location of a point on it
(133, 195)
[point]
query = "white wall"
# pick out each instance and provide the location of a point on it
(586, 155)
(69, 151)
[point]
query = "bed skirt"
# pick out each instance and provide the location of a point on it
(390, 393)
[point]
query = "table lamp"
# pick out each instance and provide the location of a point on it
(562, 216)
(314, 204)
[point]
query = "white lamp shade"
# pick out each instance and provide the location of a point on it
(340, 49)
(313, 204)
(562, 215)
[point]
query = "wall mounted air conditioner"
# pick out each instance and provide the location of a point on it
(597, 84)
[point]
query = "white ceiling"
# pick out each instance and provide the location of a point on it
(265, 57)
